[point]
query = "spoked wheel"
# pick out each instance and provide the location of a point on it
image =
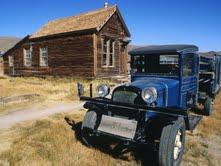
(172, 144)
(178, 145)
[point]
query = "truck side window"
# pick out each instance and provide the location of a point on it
(188, 65)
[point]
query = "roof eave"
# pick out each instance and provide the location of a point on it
(91, 30)
(123, 22)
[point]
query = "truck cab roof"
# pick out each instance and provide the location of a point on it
(155, 49)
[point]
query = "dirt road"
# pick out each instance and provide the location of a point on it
(8, 120)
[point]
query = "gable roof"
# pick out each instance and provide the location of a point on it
(87, 21)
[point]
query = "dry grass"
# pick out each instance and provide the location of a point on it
(212, 125)
(49, 89)
(203, 147)
(53, 142)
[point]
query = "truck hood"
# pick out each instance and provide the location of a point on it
(167, 89)
(159, 83)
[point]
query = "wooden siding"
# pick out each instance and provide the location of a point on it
(112, 30)
(68, 56)
(1, 67)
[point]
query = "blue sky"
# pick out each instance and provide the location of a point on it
(149, 21)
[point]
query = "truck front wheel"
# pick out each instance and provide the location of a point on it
(172, 142)
(87, 127)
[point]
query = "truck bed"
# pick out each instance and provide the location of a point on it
(210, 75)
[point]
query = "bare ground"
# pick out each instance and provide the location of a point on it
(10, 119)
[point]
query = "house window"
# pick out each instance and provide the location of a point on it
(27, 57)
(108, 53)
(44, 56)
(105, 52)
(11, 60)
(111, 55)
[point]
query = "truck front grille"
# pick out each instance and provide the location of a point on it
(124, 97)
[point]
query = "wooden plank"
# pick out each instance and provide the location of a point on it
(95, 53)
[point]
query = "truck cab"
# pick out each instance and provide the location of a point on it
(154, 108)
(172, 70)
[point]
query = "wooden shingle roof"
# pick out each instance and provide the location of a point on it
(91, 20)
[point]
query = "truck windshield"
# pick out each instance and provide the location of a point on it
(155, 64)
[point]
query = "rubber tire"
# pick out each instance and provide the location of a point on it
(208, 106)
(167, 140)
(86, 138)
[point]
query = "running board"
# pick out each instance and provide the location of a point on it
(194, 121)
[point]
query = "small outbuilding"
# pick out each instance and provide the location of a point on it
(93, 44)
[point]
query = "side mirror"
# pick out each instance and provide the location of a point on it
(80, 89)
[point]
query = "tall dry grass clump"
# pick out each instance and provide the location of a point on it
(46, 90)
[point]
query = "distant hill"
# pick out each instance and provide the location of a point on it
(131, 47)
(7, 42)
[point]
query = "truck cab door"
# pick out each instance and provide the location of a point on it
(189, 80)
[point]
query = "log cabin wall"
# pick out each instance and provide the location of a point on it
(113, 30)
(67, 56)
(17, 61)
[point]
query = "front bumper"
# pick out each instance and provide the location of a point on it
(109, 104)
(138, 113)
(162, 117)
(123, 139)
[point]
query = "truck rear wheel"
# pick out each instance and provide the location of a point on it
(208, 106)
(172, 143)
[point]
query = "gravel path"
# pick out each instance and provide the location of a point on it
(8, 120)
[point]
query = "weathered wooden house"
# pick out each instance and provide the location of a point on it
(92, 44)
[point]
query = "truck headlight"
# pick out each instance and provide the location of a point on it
(149, 95)
(103, 90)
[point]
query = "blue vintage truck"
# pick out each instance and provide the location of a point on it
(168, 82)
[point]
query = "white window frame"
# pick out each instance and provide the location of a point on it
(27, 57)
(113, 54)
(104, 52)
(44, 56)
(11, 60)
(108, 53)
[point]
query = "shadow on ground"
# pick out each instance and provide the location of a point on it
(144, 155)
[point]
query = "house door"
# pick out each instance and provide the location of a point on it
(123, 59)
